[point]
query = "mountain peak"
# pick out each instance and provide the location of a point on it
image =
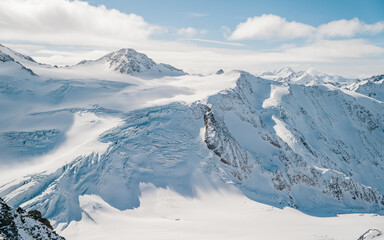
(15, 55)
(284, 72)
(129, 61)
(12, 65)
(128, 52)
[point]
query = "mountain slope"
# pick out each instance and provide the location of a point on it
(298, 138)
(20, 225)
(128, 61)
(315, 147)
(371, 87)
(308, 77)
(10, 67)
(294, 151)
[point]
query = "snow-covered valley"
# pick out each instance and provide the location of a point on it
(123, 147)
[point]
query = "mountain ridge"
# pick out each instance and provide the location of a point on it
(313, 146)
(129, 61)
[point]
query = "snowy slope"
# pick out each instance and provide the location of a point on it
(303, 145)
(25, 61)
(280, 154)
(10, 67)
(309, 145)
(212, 214)
(371, 87)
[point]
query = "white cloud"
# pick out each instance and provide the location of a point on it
(190, 32)
(344, 57)
(69, 22)
(268, 26)
(348, 28)
(218, 42)
(195, 14)
(65, 32)
(334, 50)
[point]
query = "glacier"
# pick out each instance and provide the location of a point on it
(105, 127)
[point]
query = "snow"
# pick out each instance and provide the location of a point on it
(213, 214)
(277, 92)
(286, 135)
(309, 77)
(105, 151)
(81, 140)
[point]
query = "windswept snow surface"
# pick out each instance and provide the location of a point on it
(277, 92)
(212, 214)
(100, 139)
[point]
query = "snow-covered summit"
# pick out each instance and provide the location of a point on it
(371, 87)
(129, 61)
(309, 77)
(278, 73)
(15, 55)
(9, 66)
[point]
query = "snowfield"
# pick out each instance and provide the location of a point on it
(123, 147)
(213, 214)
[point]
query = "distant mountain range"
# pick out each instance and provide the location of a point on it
(304, 139)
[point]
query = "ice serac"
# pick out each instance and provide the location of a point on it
(21, 225)
(158, 145)
(129, 61)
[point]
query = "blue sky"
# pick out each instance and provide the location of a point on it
(342, 37)
(230, 12)
(213, 14)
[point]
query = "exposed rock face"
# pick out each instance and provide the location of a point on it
(5, 58)
(300, 142)
(220, 71)
(372, 234)
(19, 225)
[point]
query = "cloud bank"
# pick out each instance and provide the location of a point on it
(61, 22)
(269, 26)
(64, 32)
(348, 28)
(190, 32)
